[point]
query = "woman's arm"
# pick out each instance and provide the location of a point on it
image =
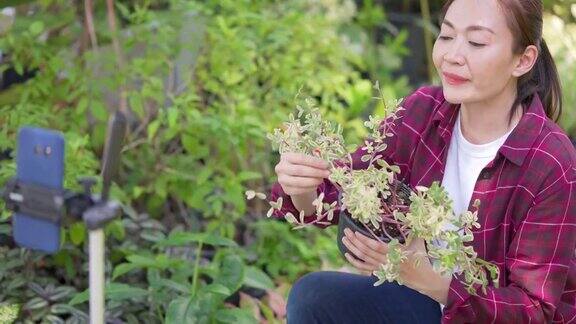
(304, 202)
(438, 287)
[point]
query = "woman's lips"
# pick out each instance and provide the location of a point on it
(454, 79)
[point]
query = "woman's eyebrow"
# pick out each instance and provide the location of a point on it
(474, 27)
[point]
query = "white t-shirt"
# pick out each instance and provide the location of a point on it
(464, 163)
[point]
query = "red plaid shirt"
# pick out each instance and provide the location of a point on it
(527, 212)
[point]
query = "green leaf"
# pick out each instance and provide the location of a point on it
(99, 110)
(114, 292)
(198, 198)
(218, 289)
(248, 175)
(77, 233)
(62, 309)
(176, 286)
(53, 319)
(124, 268)
(36, 28)
(236, 315)
(180, 310)
(173, 115)
(116, 229)
(258, 279)
(16, 283)
(62, 293)
(64, 260)
(268, 313)
(185, 238)
(145, 261)
(82, 105)
(5, 229)
(194, 147)
(153, 129)
(36, 303)
(232, 272)
(152, 236)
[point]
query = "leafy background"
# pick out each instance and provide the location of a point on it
(202, 83)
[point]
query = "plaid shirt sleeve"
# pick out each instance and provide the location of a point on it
(330, 191)
(538, 260)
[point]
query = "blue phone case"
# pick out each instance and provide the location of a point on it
(40, 160)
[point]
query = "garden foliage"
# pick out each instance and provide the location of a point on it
(202, 83)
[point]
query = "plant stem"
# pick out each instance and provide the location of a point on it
(111, 15)
(373, 234)
(196, 268)
(401, 230)
(425, 11)
(385, 231)
(88, 7)
(390, 220)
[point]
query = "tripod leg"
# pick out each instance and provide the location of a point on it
(96, 269)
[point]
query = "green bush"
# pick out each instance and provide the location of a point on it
(564, 51)
(202, 82)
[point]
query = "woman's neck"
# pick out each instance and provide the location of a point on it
(485, 121)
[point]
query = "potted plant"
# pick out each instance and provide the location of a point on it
(387, 229)
(374, 202)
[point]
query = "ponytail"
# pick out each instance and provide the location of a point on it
(543, 79)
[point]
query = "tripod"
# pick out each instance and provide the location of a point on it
(52, 205)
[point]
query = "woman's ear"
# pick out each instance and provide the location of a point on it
(525, 61)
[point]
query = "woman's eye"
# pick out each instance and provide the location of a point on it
(445, 38)
(477, 44)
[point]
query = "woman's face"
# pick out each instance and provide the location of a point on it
(473, 53)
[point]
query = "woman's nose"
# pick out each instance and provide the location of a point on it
(454, 54)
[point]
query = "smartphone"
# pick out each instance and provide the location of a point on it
(39, 161)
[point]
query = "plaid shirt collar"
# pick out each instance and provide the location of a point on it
(516, 146)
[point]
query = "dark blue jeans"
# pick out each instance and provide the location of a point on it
(337, 297)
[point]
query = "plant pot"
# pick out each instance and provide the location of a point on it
(346, 221)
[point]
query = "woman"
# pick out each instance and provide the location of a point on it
(486, 134)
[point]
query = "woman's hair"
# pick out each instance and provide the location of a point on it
(524, 19)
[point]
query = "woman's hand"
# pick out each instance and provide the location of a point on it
(369, 253)
(300, 174)
(422, 278)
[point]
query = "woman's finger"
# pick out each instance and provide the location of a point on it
(299, 182)
(370, 250)
(359, 254)
(358, 264)
(370, 258)
(379, 247)
(291, 191)
(309, 160)
(366, 273)
(303, 171)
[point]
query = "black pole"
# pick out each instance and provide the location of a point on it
(112, 149)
